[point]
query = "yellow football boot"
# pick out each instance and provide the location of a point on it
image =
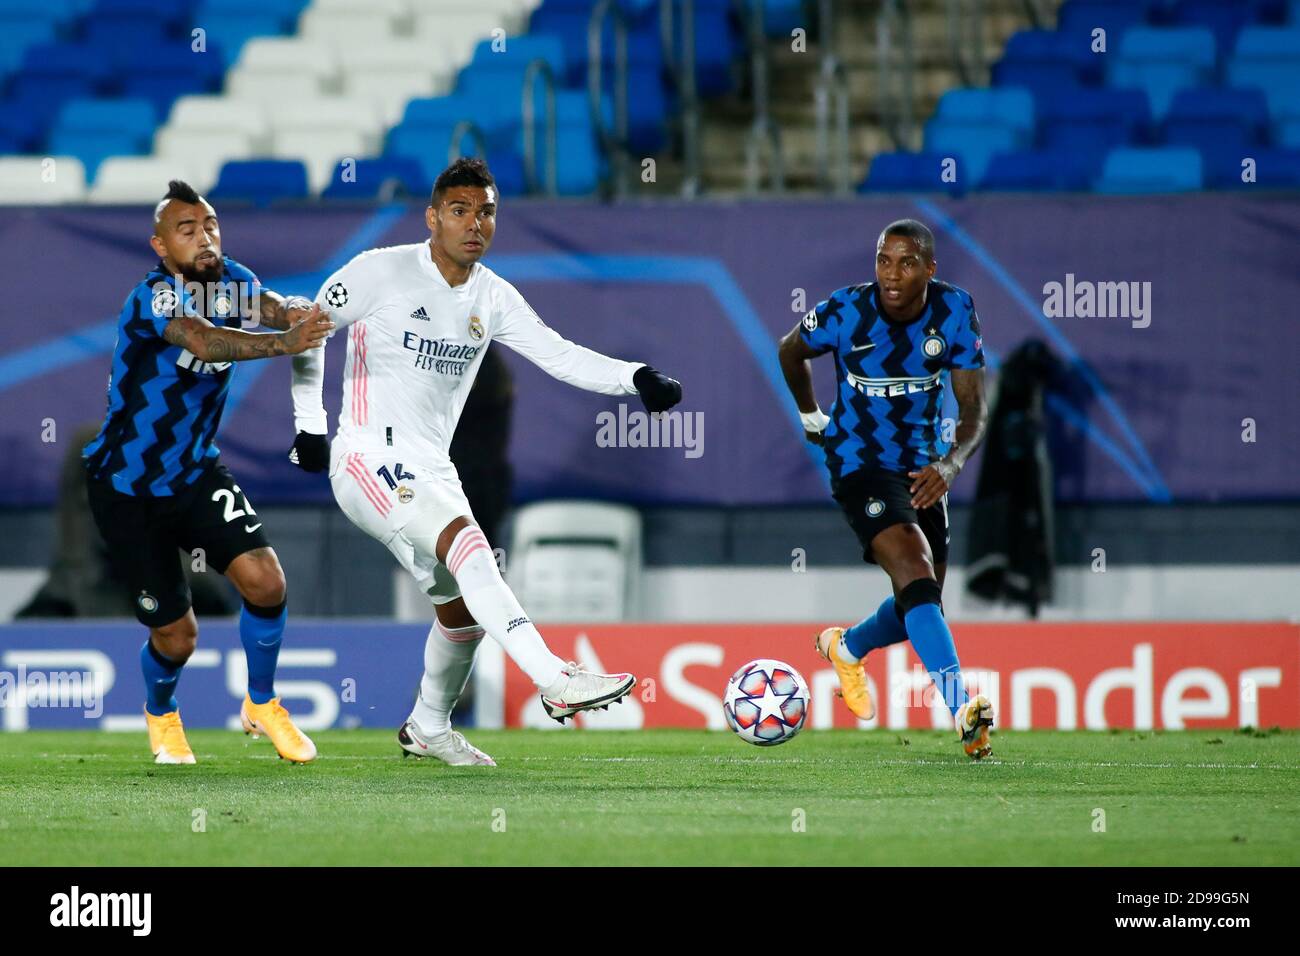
(167, 738)
(853, 677)
(974, 718)
(274, 721)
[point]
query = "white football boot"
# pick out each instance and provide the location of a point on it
(974, 719)
(450, 747)
(577, 689)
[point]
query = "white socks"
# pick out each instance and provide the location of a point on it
(448, 659)
(842, 652)
(494, 606)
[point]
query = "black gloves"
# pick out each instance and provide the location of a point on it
(310, 452)
(658, 392)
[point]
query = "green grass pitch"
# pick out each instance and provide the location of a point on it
(571, 798)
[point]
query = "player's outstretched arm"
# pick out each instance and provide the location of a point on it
(278, 312)
(933, 481)
(521, 330)
(795, 356)
(212, 344)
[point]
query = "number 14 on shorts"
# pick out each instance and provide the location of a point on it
(394, 476)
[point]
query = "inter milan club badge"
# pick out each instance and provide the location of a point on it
(933, 346)
(875, 508)
(476, 328)
(405, 494)
(148, 603)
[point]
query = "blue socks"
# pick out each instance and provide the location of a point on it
(160, 677)
(932, 640)
(260, 630)
(883, 628)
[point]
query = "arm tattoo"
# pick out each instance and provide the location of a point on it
(212, 344)
(273, 310)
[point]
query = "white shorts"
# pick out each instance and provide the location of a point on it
(382, 494)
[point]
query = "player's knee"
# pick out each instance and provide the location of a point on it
(267, 588)
(923, 590)
(176, 641)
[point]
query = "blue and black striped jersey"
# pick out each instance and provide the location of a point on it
(890, 374)
(164, 404)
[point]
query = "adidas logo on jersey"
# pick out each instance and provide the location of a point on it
(420, 314)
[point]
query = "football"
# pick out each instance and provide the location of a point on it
(766, 702)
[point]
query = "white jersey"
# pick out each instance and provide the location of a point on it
(415, 344)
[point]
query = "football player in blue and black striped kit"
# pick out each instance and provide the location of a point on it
(893, 341)
(155, 482)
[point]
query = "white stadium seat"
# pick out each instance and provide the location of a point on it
(284, 67)
(41, 180)
(320, 151)
(346, 26)
(576, 561)
(203, 151)
(354, 114)
(390, 90)
(218, 114)
(390, 8)
(138, 179)
(459, 31)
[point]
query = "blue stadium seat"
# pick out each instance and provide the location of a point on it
(1043, 80)
(1205, 117)
(173, 71)
(1163, 61)
(261, 181)
(1273, 168)
(647, 96)
(972, 144)
(1224, 18)
(95, 129)
(1267, 58)
(911, 172)
(17, 33)
(1089, 123)
(781, 17)
(1006, 106)
(1078, 18)
(384, 177)
(1035, 171)
(1168, 169)
(1054, 47)
(228, 32)
(57, 11)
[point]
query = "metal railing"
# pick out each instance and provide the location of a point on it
(459, 132)
(535, 69)
(896, 73)
(682, 71)
(764, 131)
(966, 40)
(613, 144)
(832, 85)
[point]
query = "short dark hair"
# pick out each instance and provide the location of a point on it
(466, 171)
(176, 189)
(915, 230)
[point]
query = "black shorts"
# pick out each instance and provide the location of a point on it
(146, 535)
(875, 500)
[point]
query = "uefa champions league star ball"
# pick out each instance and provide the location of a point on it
(766, 702)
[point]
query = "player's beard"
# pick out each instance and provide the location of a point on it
(205, 271)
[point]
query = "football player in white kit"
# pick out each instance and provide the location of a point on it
(419, 318)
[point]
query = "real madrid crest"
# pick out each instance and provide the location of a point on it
(933, 346)
(476, 328)
(405, 494)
